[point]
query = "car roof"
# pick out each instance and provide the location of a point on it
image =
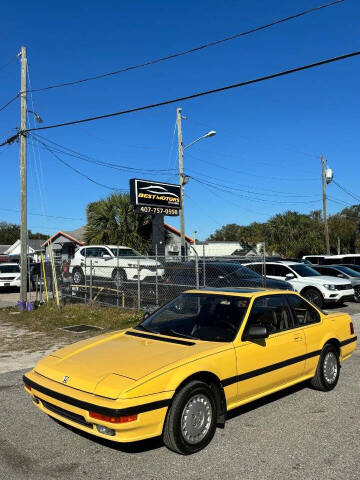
(109, 246)
(241, 292)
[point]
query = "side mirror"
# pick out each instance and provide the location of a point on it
(256, 332)
(146, 315)
(106, 257)
(289, 276)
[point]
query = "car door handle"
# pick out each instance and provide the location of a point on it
(298, 339)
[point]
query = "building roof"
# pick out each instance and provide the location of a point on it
(35, 243)
(70, 235)
(3, 248)
(174, 230)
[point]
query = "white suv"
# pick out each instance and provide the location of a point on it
(112, 262)
(318, 289)
(10, 275)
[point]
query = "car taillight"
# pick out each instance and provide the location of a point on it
(107, 418)
(351, 328)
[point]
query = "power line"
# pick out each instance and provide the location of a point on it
(8, 63)
(256, 199)
(78, 171)
(42, 214)
(86, 158)
(201, 94)
(10, 101)
(192, 50)
(347, 191)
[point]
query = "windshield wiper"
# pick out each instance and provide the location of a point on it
(178, 334)
(146, 329)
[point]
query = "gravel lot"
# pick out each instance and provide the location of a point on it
(299, 433)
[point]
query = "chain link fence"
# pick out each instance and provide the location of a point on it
(143, 282)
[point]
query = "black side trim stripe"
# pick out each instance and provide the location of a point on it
(160, 339)
(113, 412)
(349, 340)
(269, 368)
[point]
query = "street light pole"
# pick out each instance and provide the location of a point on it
(326, 227)
(181, 181)
(23, 180)
(184, 179)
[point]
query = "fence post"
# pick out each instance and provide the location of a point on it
(90, 285)
(117, 281)
(204, 274)
(138, 281)
(197, 271)
(156, 277)
(264, 265)
(85, 279)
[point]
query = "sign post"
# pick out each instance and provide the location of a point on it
(157, 199)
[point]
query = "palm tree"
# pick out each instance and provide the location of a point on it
(113, 220)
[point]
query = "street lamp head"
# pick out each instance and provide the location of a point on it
(186, 178)
(37, 117)
(210, 134)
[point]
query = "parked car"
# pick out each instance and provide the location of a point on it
(318, 289)
(215, 274)
(10, 275)
(352, 266)
(340, 271)
(180, 371)
(112, 262)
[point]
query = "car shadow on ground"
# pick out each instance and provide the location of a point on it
(156, 442)
(266, 400)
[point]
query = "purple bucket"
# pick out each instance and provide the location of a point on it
(29, 306)
(22, 306)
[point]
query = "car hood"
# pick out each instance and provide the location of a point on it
(7, 275)
(111, 363)
(327, 279)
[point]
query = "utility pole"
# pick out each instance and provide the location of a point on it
(326, 227)
(181, 181)
(23, 179)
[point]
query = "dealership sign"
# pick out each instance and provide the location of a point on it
(155, 197)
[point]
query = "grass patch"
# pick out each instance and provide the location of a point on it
(48, 317)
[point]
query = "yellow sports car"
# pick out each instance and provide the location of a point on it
(178, 372)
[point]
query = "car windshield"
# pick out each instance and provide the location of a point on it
(305, 271)
(9, 269)
(125, 252)
(209, 317)
(348, 271)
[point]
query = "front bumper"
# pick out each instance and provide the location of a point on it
(10, 283)
(72, 407)
(339, 296)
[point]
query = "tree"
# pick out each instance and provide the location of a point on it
(10, 232)
(113, 220)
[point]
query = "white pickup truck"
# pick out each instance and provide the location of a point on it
(112, 262)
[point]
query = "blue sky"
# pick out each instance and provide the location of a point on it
(269, 135)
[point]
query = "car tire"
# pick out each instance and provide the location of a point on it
(119, 276)
(357, 294)
(191, 420)
(314, 296)
(78, 276)
(328, 369)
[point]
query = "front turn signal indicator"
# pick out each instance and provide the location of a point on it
(27, 387)
(351, 328)
(108, 418)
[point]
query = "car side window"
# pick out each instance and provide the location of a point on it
(91, 252)
(257, 267)
(304, 313)
(272, 312)
(281, 270)
(101, 252)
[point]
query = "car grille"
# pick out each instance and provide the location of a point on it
(347, 286)
(6, 279)
(74, 417)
